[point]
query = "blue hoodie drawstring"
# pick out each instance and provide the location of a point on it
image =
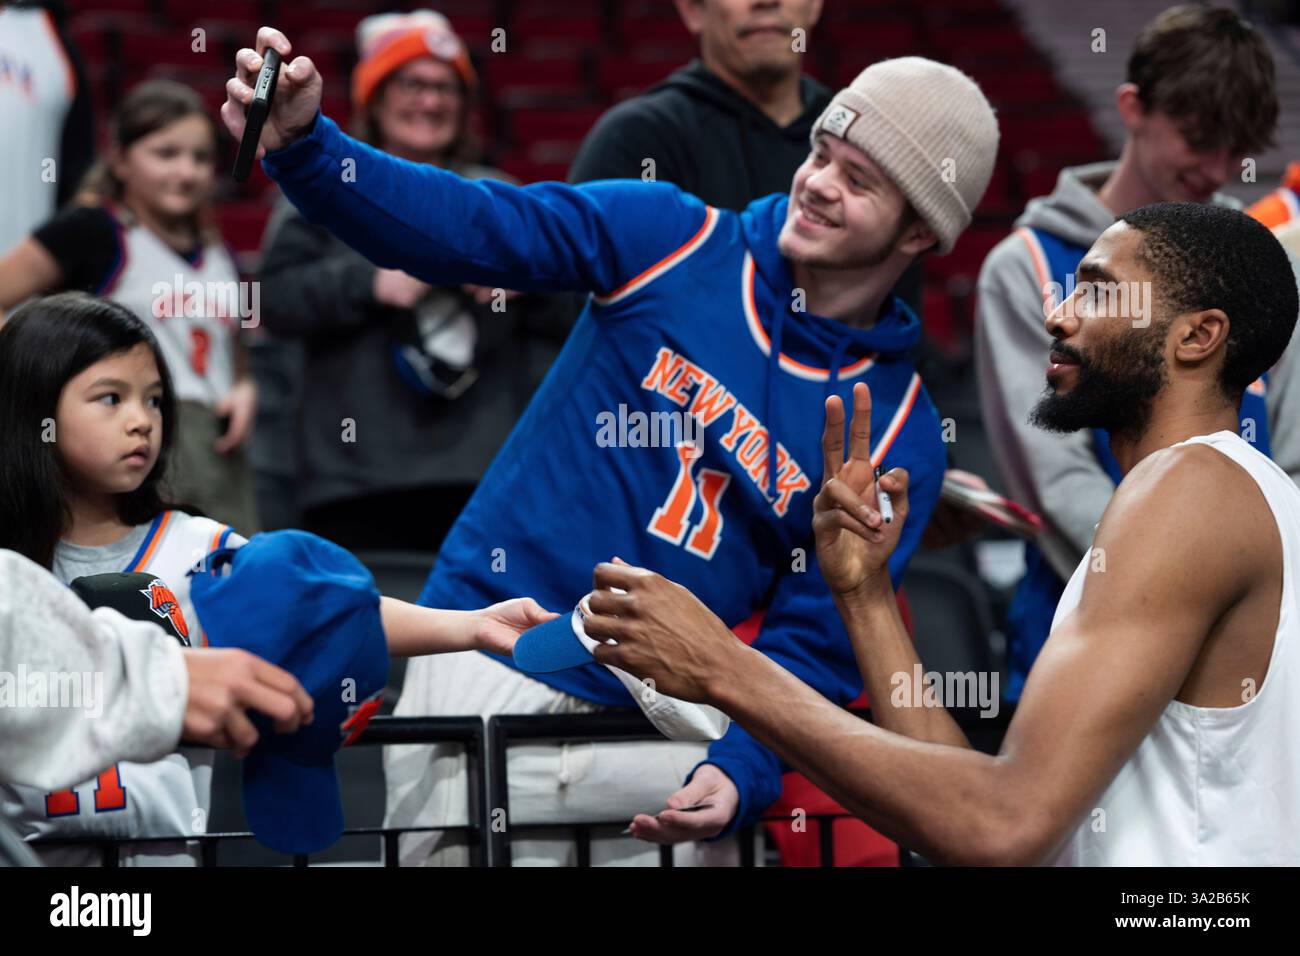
(773, 376)
(837, 359)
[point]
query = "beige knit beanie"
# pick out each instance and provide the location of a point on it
(929, 127)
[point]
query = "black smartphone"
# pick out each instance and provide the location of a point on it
(258, 110)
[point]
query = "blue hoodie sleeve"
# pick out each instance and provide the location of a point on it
(803, 632)
(446, 230)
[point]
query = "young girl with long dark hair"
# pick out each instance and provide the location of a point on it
(87, 417)
(87, 414)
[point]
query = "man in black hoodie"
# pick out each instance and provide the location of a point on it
(732, 126)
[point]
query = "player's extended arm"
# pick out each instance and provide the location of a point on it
(1102, 680)
(413, 630)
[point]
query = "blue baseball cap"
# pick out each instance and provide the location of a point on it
(563, 642)
(309, 606)
(553, 646)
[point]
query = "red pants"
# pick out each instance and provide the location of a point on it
(855, 843)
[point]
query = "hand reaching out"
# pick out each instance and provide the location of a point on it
(241, 406)
(711, 789)
(225, 683)
(395, 288)
(498, 626)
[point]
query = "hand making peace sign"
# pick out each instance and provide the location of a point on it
(854, 541)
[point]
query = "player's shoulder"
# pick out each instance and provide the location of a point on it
(1190, 494)
(1185, 467)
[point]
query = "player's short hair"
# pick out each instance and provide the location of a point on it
(1204, 256)
(43, 345)
(1211, 73)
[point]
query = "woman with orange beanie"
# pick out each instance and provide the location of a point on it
(407, 389)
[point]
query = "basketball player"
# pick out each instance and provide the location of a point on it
(1160, 723)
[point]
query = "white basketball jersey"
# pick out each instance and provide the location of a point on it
(192, 308)
(170, 797)
(37, 87)
(1213, 786)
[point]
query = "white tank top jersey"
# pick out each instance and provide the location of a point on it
(169, 797)
(37, 87)
(1213, 786)
(192, 308)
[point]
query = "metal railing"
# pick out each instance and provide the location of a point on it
(503, 730)
(486, 747)
(467, 731)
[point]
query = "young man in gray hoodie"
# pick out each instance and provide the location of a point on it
(1198, 99)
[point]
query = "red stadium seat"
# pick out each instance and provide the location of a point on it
(998, 199)
(294, 19)
(535, 125)
(475, 29)
(968, 254)
(1028, 83)
(859, 44)
(939, 320)
(854, 843)
(242, 224)
(619, 77)
(144, 45)
(506, 71)
(1060, 132)
(89, 34)
(997, 41)
(250, 12)
(541, 9)
(115, 6)
(557, 32)
(1039, 180)
(651, 31)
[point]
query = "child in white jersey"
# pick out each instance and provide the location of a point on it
(142, 232)
(86, 420)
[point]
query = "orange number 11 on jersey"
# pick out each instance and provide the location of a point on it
(670, 520)
(109, 795)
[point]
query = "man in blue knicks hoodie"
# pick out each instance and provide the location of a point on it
(739, 325)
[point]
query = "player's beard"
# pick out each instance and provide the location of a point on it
(1115, 387)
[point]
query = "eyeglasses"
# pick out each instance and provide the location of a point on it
(414, 86)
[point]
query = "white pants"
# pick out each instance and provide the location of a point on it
(549, 783)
